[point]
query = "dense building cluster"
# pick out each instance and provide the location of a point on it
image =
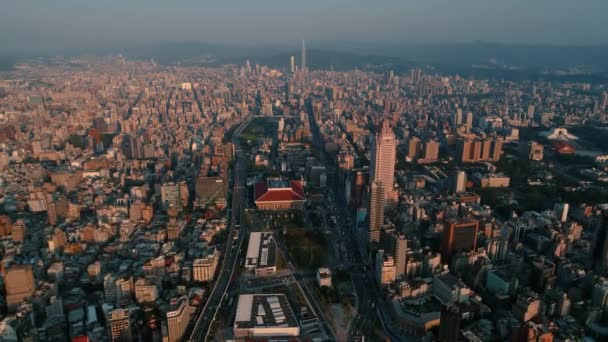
(477, 208)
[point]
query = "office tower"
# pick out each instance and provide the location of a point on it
(304, 57)
(600, 248)
(431, 151)
(458, 117)
(530, 112)
(178, 317)
(527, 306)
(18, 231)
(385, 268)
(292, 64)
(542, 276)
(413, 147)
(449, 323)
(395, 244)
(561, 211)
(477, 150)
(604, 102)
(170, 195)
(469, 122)
(496, 149)
(376, 211)
(119, 326)
(535, 151)
(460, 182)
(382, 166)
(459, 235)
(19, 285)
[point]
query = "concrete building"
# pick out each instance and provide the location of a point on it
(119, 326)
(203, 269)
(177, 316)
(459, 235)
(264, 316)
(527, 306)
(449, 289)
(385, 268)
(261, 256)
(19, 285)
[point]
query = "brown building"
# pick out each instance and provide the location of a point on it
(478, 150)
(18, 231)
(459, 235)
(19, 285)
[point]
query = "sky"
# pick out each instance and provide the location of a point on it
(28, 25)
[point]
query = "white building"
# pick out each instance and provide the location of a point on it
(264, 316)
(203, 269)
(261, 254)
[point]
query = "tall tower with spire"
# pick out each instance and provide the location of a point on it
(303, 56)
(383, 156)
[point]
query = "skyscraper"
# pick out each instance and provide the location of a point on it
(292, 64)
(303, 56)
(382, 166)
(449, 327)
(178, 318)
(119, 326)
(376, 211)
(460, 182)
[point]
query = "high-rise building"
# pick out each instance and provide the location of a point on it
(459, 235)
(478, 150)
(458, 117)
(527, 306)
(18, 231)
(395, 244)
(449, 323)
(292, 64)
(469, 122)
(413, 146)
(303, 57)
(376, 211)
(460, 182)
(430, 152)
(530, 112)
(178, 317)
(19, 285)
(385, 268)
(382, 166)
(561, 211)
(203, 269)
(119, 326)
(604, 102)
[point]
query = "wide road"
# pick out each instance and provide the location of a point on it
(230, 255)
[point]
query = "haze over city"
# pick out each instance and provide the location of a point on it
(39, 25)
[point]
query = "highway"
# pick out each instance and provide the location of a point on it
(230, 256)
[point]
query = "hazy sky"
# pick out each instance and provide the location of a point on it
(31, 25)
